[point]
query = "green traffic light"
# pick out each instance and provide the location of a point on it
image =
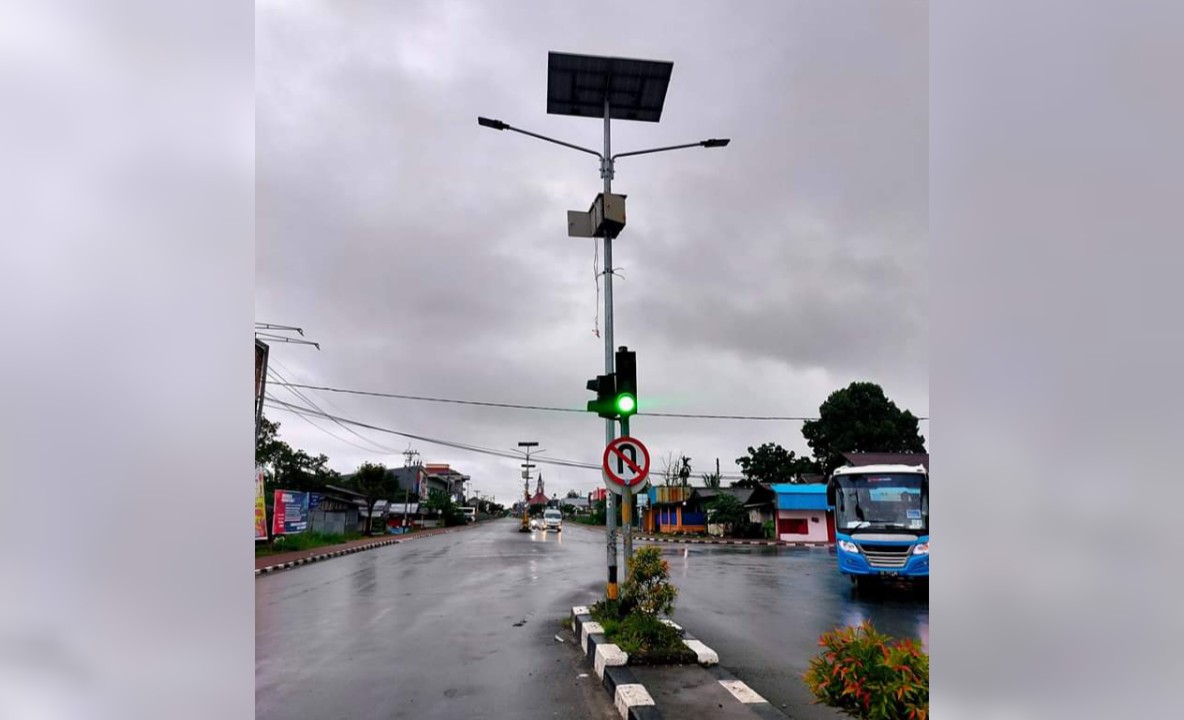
(626, 404)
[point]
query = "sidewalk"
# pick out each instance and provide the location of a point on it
(269, 563)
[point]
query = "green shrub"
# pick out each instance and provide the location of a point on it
(603, 611)
(633, 622)
(648, 590)
(649, 641)
(303, 541)
(867, 676)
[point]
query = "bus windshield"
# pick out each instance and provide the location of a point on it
(892, 501)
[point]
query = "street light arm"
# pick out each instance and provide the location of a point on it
(553, 140)
(499, 125)
(713, 142)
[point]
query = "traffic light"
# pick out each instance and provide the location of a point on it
(626, 386)
(605, 403)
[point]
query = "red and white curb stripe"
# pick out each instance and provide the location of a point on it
(348, 551)
(699, 541)
(323, 556)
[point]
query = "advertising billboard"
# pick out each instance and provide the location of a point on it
(260, 507)
(290, 514)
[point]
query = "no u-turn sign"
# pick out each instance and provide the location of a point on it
(626, 464)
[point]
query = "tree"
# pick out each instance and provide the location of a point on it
(712, 479)
(670, 467)
(441, 503)
(286, 468)
(860, 418)
(771, 463)
(572, 494)
(268, 446)
(374, 483)
(725, 509)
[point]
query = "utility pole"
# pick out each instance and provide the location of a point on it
(408, 462)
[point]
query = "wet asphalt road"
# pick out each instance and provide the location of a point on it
(426, 629)
(763, 609)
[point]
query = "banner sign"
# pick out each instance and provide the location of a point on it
(290, 514)
(260, 507)
(314, 499)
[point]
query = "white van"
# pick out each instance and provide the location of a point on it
(553, 520)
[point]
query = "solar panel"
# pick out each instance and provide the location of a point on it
(636, 89)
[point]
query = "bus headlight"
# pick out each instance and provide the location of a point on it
(848, 546)
(921, 549)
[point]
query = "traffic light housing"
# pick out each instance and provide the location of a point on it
(626, 386)
(605, 403)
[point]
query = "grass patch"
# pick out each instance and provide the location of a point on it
(584, 520)
(566, 623)
(303, 541)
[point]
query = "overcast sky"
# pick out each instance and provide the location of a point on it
(429, 256)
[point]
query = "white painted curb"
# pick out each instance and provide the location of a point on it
(707, 657)
(742, 692)
(587, 629)
(630, 696)
(609, 655)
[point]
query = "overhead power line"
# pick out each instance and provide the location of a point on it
(331, 434)
(467, 447)
(515, 406)
(290, 407)
(382, 449)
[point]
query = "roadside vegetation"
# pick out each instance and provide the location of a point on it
(867, 675)
(634, 622)
(302, 541)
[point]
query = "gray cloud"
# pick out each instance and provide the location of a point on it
(429, 256)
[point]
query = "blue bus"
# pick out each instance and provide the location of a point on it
(881, 522)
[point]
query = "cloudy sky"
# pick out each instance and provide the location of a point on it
(429, 256)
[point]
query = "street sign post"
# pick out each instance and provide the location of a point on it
(626, 465)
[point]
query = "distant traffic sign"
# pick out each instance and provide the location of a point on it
(626, 463)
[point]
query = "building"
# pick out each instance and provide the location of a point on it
(338, 511)
(581, 504)
(759, 501)
(804, 514)
(400, 513)
(441, 477)
(409, 479)
(668, 511)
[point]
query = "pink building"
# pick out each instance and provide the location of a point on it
(803, 514)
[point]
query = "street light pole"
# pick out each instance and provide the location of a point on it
(610, 426)
(640, 86)
(526, 466)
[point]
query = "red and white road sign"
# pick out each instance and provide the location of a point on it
(626, 462)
